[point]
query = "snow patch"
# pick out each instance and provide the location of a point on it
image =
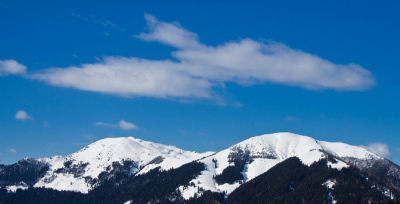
(65, 182)
(338, 165)
(258, 166)
(330, 183)
(388, 193)
(13, 188)
(228, 188)
(310, 157)
(188, 192)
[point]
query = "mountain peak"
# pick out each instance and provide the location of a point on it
(279, 145)
(101, 155)
(287, 144)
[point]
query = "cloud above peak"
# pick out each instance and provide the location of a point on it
(121, 125)
(199, 70)
(126, 125)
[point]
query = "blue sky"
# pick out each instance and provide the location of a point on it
(198, 75)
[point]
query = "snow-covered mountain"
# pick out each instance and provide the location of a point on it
(130, 163)
(259, 154)
(76, 172)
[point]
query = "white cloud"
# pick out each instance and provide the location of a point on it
(122, 125)
(22, 115)
(12, 150)
(249, 62)
(169, 33)
(11, 67)
(127, 125)
(379, 149)
(129, 77)
(200, 69)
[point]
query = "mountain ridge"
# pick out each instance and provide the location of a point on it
(123, 159)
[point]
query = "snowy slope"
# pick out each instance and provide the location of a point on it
(99, 157)
(265, 152)
(344, 150)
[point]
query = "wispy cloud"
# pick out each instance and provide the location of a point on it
(169, 33)
(379, 149)
(122, 125)
(22, 115)
(126, 125)
(200, 70)
(12, 150)
(11, 67)
(94, 19)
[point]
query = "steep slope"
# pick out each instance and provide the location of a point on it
(80, 171)
(316, 183)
